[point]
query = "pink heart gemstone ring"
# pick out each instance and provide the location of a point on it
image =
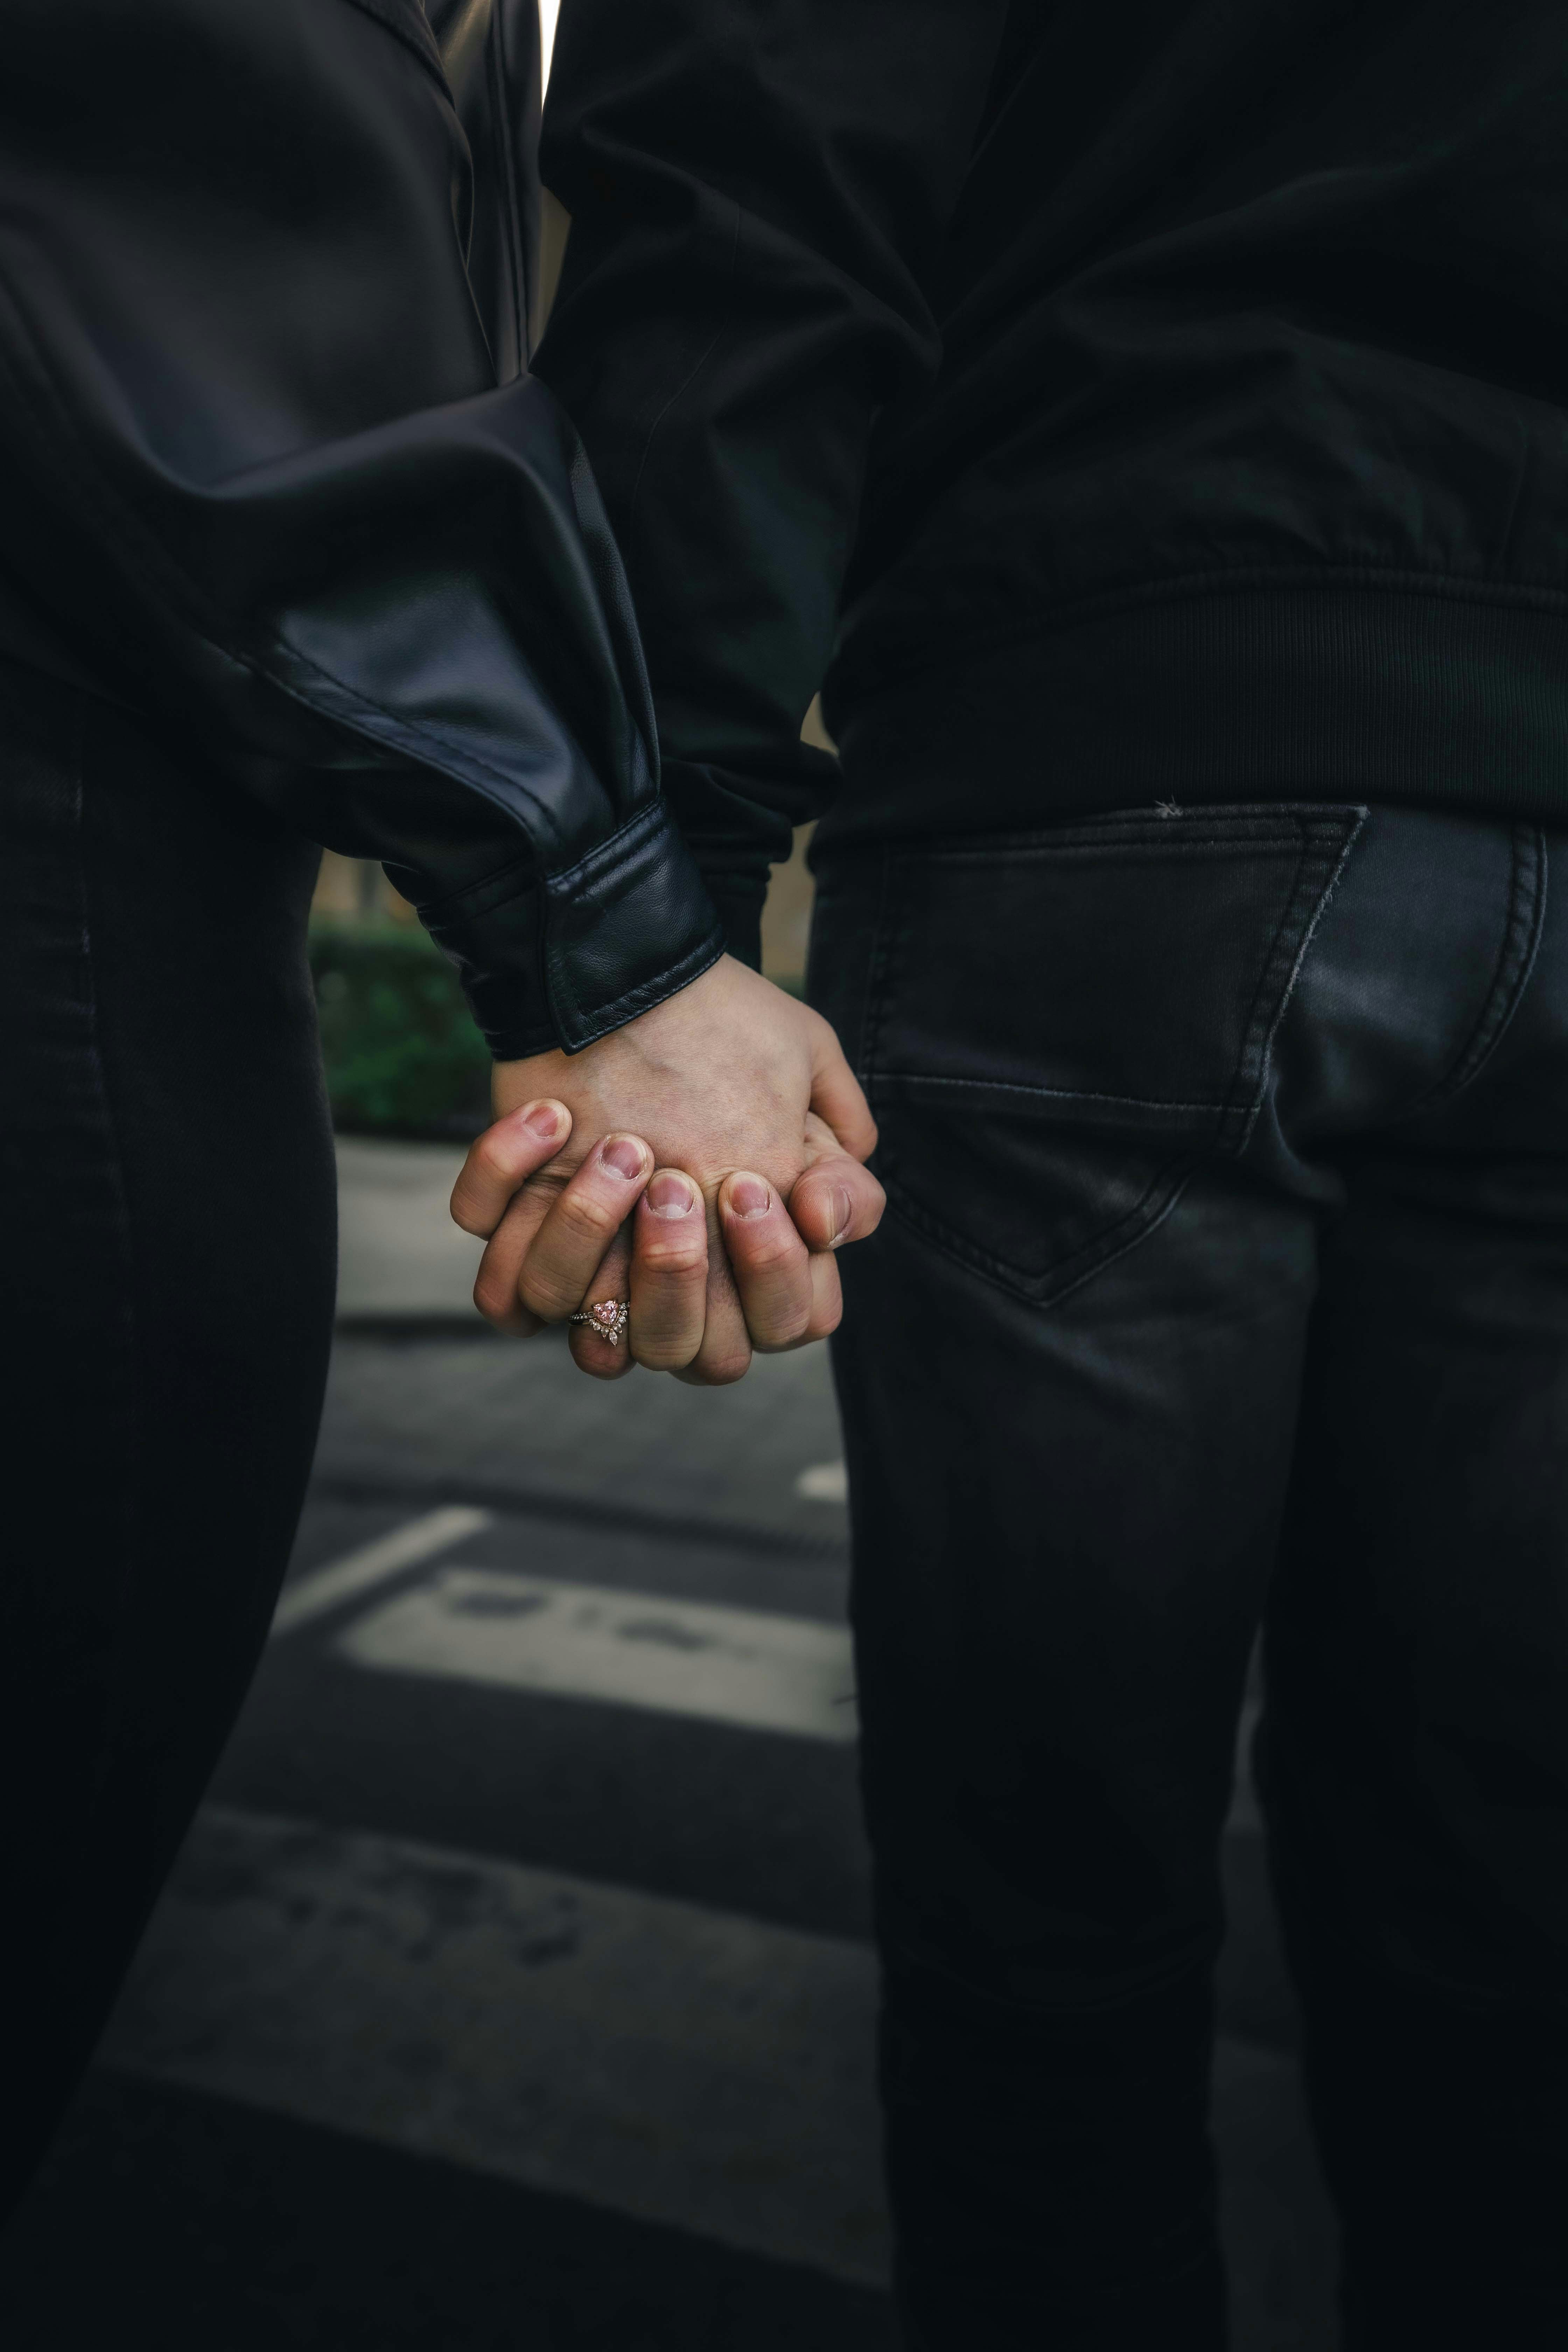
(606, 1317)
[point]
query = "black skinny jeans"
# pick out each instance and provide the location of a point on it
(1224, 1283)
(167, 1244)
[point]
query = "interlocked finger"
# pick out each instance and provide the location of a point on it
(601, 1346)
(725, 1353)
(503, 1158)
(582, 1221)
(770, 1265)
(668, 1273)
(496, 1284)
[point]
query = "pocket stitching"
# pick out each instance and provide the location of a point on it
(1326, 843)
(1069, 1274)
(1324, 839)
(1047, 1094)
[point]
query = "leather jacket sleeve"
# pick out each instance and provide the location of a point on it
(258, 473)
(757, 195)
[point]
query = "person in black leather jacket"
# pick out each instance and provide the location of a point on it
(293, 554)
(1149, 425)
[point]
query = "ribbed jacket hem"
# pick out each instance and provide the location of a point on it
(1336, 692)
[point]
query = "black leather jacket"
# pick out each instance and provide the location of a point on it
(269, 474)
(1166, 400)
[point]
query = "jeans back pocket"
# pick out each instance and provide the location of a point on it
(1053, 1028)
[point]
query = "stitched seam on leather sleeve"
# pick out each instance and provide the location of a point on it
(524, 862)
(649, 992)
(612, 851)
(606, 863)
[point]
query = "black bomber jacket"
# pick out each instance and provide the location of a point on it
(1117, 402)
(1168, 401)
(270, 472)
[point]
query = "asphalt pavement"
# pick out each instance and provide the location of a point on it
(514, 1989)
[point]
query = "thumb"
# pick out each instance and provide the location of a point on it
(833, 1200)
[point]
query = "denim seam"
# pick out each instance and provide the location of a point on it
(1113, 836)
(1050, 1094)
(1317, 880)
(1176, 1175)
(1517, 950)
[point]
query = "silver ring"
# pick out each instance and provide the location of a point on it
(607, 1318)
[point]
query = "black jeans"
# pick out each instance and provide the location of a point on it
(167, 1239)
(1224, 1283)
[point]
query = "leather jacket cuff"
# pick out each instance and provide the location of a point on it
(566, 961)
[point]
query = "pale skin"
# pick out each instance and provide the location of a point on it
(703, 1162)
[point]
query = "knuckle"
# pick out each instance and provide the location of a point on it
(785, 1329)
(494, 1293)
(547, 1184)
(463, 1209)
(789, 1269)
(770, 1251)
(667, 1355)
(489, 1155)
(673, 1257)
(583, 1215)
(543, 1295)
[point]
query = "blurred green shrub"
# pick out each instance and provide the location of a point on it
(403, 1054)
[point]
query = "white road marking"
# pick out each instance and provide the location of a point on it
(825, 1482)
(743, 1666)
(359, 1571)
(696, 2069)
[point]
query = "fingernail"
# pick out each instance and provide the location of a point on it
(623, 1156)
(843, 1210)
(670, 1195)
(543, 1118)
(750, 1197)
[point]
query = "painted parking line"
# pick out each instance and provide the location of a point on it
(742, 1666)
(684, 2065)
(824, 1482)
(361, 1571)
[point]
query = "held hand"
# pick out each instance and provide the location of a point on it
(773, 1291)
(728, 1080)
